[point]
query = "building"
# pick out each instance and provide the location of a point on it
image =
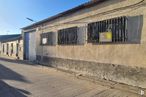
(4, 37)
(105, 39)
(11, 46)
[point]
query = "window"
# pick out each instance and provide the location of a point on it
(47, 38)
(7, 49)
(3, 48)
(17, 49)
(67, 36)
(107, 31)
(20, 49)
(12, 51)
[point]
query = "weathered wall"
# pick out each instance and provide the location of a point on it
(135, 76)
(109, 53)
(20, 54)
(123, 63)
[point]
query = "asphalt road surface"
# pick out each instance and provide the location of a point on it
(20, 79)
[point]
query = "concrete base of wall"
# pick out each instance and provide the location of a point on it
(134, 76)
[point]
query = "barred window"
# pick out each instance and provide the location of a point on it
(111, 30)
(67, 36)
(47, 38)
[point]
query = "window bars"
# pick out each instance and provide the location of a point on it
(47, 38)
(111, 30)
(67, 36)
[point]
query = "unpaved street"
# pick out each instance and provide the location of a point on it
(18, 79)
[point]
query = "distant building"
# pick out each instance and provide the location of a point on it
(105, 39)
(11, 46)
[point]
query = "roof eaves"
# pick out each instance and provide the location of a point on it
(13, 38)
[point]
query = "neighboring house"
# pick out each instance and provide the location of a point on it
(11, 46)
(105, 39)
(4, 37)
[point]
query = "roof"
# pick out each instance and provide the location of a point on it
(68, 12)
(5, 38)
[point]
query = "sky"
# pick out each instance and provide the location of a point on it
(13, 13)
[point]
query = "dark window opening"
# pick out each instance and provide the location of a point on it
(12, 51)
(108, 31)
(68, 36)
(47, 38)
(17, 49)
(3, 48)
(7, 49)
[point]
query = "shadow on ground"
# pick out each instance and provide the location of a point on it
(7, 90)
(8, 74)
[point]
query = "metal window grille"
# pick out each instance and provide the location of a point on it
(48, 38)
(117, 27)
(67, 36)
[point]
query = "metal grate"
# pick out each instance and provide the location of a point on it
(117, 27)
(49, 38)
(67, 36)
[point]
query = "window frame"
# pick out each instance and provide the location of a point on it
(68, 36)
(12, 49)
(3, 48)
(102, 26)
(49, 36)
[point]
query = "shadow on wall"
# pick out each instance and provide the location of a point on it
(9, 91)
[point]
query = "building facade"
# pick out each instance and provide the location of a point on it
(12, 47)
(105, 39)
